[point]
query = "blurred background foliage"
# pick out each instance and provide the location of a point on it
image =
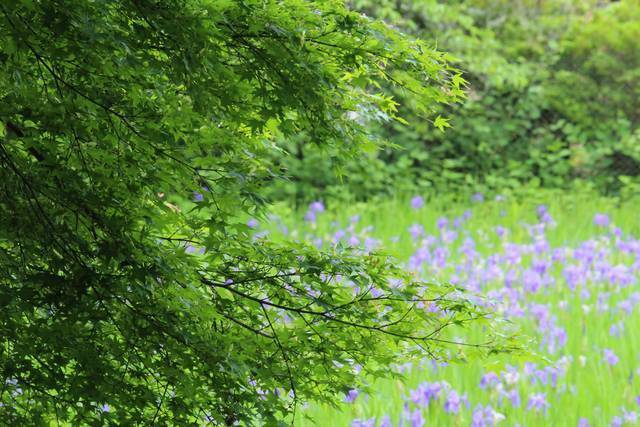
(552, 101)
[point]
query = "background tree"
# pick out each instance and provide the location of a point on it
(539, 73)
(134, 141)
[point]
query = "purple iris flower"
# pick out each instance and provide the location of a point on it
(610, 357)
(537, 402)
(626, 306)
(314, 209)
(546, 218)
(442, 223)
(489, 380)
(541, 210)
(615, 329)
(351, 396)
(514, 397)
(543, 215)
(601, 220)
(441, 254)
(370, 244)
(416, 230)
(316, 206)
(511, 375)
(425, 393)
(484, 417)
(417, 419)
(584, 423)
(557, 338)
(453, 402)
(417, 202)
(339, 235)
(532, 281)
(630, 417)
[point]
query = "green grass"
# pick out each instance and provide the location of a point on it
(592, 389)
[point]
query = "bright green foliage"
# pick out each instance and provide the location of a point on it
(600, 64)
(119, 289)
(552, 98)
(595, 91)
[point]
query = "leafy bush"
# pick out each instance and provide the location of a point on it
(551, 99)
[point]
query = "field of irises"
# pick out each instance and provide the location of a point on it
(563, 269)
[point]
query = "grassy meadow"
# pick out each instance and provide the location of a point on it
(561, 268)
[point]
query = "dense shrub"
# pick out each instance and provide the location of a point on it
(551, 99)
